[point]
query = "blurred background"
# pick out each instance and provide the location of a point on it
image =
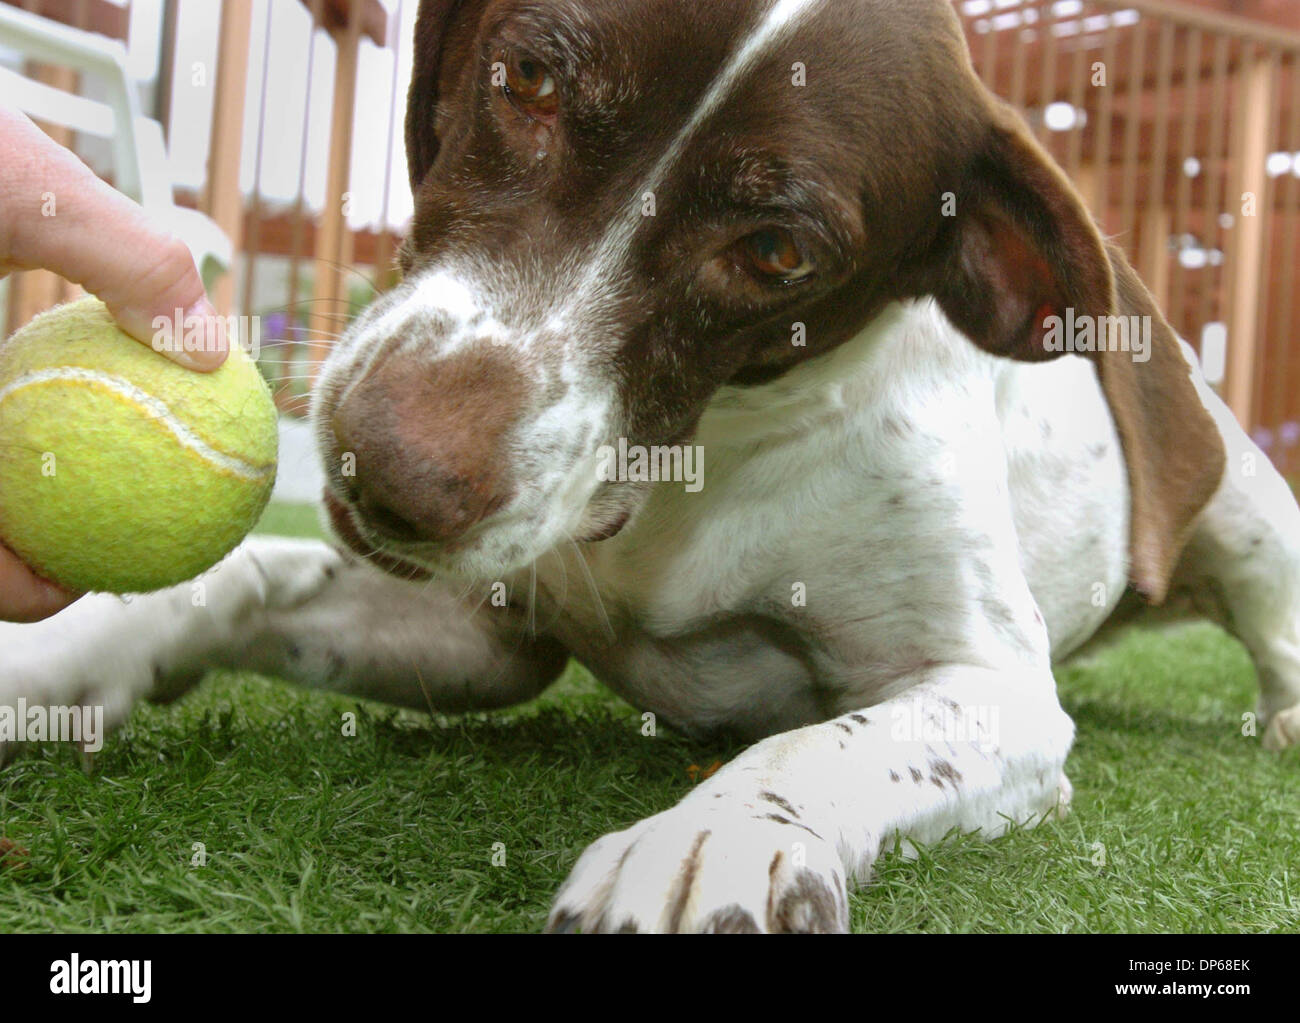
(271, 132)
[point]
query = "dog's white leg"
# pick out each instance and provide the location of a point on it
(1242, 567)
(295, 609)
(427, 645)
(109, 652)
(769, 842)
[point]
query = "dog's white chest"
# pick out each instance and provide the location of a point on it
(802, 575)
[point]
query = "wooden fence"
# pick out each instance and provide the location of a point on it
(1181, 126)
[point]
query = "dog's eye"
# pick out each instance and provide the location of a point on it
(531, 87)
(774, 253)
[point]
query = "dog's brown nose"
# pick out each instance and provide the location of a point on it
(421, 448)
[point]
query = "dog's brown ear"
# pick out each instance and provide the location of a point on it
(431, 28)
(1176, 455)
(1023, 250)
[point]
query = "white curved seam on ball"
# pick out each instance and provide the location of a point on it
(157, 408)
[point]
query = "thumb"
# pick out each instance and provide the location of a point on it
(24, 596)
(157, 296)
(65, 219)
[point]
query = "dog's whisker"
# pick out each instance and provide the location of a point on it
(487, 594)
(301, 342)
(309, 332)
(349, 269)
(463, 595)
(564, 588)
(309, 301)
(595, 591)
(532, 599)
(424, 689)
(321, 338)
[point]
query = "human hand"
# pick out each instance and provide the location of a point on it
(101, 240)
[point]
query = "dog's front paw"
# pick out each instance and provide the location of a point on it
(697, 869)
(292, 572)
(1283, 730)
(57, 685)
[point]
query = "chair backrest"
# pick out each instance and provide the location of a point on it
(115, 118)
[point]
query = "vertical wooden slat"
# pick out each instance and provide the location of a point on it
(1153, 253)
(329, 298)
(1047, 87)
(1079, 81)
(1287, 330)
(255, 205)
(1268, 353)
(1020, 55)
(224, 203)
(1154, 262)
(1105, 122)
(166, 67)
(1254, 118)
(1211, 277)
(1132, 127)
(385, 276)
(299, 206)
(991, 52)
(1191, 103)
(1085, 180)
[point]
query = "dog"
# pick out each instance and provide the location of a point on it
(801, 241)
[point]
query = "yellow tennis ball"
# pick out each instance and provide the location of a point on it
(120, 471)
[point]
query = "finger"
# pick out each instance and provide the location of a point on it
(56, 214)
(25, 596)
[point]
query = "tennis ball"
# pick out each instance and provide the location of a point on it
(120, 471)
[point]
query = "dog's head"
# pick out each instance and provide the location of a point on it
(624, 205)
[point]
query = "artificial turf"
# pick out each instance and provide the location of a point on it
(1180, 822)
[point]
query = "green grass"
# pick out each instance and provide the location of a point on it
(290, 520)
(394, 829)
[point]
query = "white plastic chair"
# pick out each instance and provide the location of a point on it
(139, 151)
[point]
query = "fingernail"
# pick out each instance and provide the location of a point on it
(137, 325)
(53, 599)
(54, 591)
(215, 347)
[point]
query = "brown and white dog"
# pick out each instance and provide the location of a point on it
(799, 241)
